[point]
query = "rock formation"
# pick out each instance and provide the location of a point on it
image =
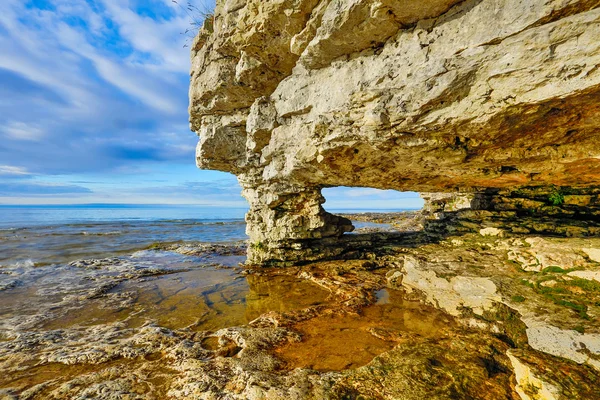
(496, 98)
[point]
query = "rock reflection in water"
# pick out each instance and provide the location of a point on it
(201, 299)
(102, 336)
(280, 293)
(341, 341)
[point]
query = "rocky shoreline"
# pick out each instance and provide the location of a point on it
(406, 221)
(483, 315)
(488, 109)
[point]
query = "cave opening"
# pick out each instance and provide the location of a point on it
(372, 210)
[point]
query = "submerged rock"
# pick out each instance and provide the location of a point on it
(454, 319)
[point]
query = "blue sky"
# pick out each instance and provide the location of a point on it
(93, 109)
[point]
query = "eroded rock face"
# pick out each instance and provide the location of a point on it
(439, 96)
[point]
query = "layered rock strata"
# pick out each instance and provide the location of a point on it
(480, 96)
(554, 211)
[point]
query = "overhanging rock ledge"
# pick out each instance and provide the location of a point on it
(499, 99)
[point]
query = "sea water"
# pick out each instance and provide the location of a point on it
(86, 290)
(53, 259)
(42, 235)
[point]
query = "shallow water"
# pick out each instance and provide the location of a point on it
(88, 295)
(66, 322)
(43, 245)
(202, 299)
(342, 341)
(50, 292)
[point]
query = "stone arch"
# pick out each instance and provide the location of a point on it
(426, 109)
(284, 223)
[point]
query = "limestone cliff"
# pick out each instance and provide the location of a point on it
(476, 96)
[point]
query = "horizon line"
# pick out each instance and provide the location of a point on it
(182, 204)
(115, 204)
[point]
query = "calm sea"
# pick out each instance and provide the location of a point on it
(26, 216)
(42, 235)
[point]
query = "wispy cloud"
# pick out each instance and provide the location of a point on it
(225, 189)
(93, 98)
(23, 131)
(12, 171)
(92, 80)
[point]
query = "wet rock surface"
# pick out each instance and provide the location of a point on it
(456, 318)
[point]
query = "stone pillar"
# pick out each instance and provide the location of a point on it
(283, 222)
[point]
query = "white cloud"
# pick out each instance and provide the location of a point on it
(23, 131)
(89, 91)
(47, 50)
(161, 39)
(105, 91)
(35, 55)
(9, 170)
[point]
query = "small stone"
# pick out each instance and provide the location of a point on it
(589, 275)
(593, 254)
(491, 232)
